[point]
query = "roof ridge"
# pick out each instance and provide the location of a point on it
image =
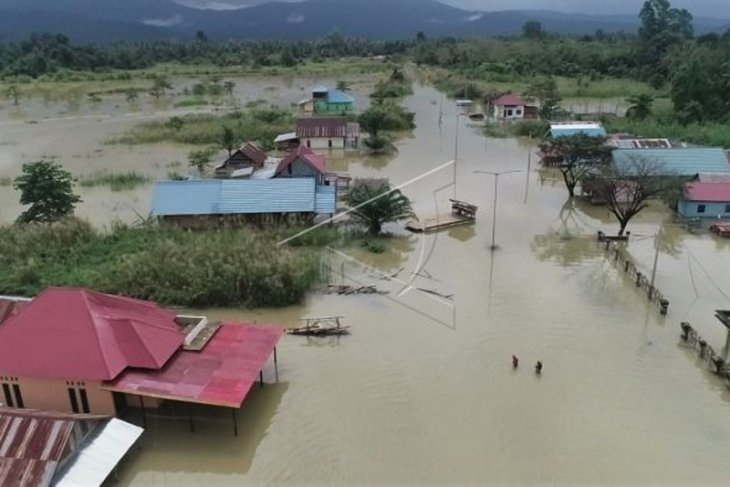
(85, 293)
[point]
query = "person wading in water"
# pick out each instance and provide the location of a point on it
(515, 362)
(538, 368)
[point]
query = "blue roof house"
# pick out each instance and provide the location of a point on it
(685, 162)
(204, 203)
(331, 101)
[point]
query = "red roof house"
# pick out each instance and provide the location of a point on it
(509, 100)
(510, 106)
(710, 200)
(302, 162)
(714, 192)
(84, 335)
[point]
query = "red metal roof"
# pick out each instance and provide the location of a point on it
(32, 443)
(326, 127)
(509, 100)
(9, 307)
(77, 334)
(711, 192)
(220, 375)
(306, 155)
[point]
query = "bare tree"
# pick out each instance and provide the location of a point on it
(628, 188)
(578, 156)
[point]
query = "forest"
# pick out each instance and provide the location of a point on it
(694, 71)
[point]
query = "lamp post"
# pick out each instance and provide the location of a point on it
(496, 175)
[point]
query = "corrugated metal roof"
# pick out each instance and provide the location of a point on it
(710, 192)
(567, 129)
(221, 197)
(286, 195)
(325, 199)
(337, 96)
(285, 137)
(99, 455)
(327, 127)
(77, 334)
(221, 374)
(320, 89)
(683, 161)
(509, 100)
(185, 197)
(308, 156)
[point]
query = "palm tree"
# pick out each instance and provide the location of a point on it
(640, 108)
(376, 204)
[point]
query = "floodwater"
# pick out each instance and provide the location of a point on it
(423, 391)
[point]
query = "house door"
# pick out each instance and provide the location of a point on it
(120, 402)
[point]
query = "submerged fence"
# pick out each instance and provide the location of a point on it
(616, 251)
(691, 339)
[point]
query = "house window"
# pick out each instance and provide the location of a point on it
(8, 396)
(84, 400)
(11, 392)
(509, 113)
(518, 112)
(727, 208)
(73, 400)
(701, 208)
(329, 143)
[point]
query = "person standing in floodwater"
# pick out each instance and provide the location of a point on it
(538, 368)
(515, 362)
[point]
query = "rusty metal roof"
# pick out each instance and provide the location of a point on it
(33, 443)
(326, 127)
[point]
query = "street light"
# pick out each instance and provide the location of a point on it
(496, 175)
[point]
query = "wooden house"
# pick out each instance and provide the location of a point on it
(512, 107)
(242, 163)
(328, 133)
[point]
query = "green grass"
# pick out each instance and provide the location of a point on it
(227, 267)
(708, 134)
(192, 102)
(205, 129)
(116, 181)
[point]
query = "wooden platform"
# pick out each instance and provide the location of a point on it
(461, 214)
(328, 326)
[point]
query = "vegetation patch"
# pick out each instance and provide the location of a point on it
(116, 181)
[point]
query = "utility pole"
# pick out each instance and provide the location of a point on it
(456, 147)
(496, 175)
(656, 262)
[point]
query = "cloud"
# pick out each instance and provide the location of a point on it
(295, 18)
(169, 22)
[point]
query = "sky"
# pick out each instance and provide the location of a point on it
(715, 8)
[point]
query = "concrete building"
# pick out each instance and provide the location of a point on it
(705, 200)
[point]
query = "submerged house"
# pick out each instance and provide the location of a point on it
(705, 200)
(328, 133)
(327, 101)
(206, 203)
(513, 107)
(78, 351)
(40, 448)
(242, 163)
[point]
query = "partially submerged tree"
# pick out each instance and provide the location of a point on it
(628, 189)
(578, 155)
(176, 123)
(380, 118)
(343, 85)
(160, 86)
(375, 203)
(545, 89)
(229, 86)
(228, 140)
(201, 159)
(640, 108)
(48, 189)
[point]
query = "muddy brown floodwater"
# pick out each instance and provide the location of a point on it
(423, 391)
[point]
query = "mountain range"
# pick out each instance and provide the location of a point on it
(110, 20)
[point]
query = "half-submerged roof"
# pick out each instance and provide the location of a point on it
(710, 192)
(221, 374)
(680, 161)
(509, 100)
(307, 156)
(339, 96)
(77, 334)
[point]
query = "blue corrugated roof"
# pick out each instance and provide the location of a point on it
(284, 195)
(324, 201)
(557, 132)
(337, 96)
(684, 161)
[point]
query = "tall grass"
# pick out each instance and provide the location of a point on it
(116, 181)
(708, 134)
(226, 267)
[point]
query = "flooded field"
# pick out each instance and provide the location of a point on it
(423, 391)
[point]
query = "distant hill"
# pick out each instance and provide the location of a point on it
(109, 20)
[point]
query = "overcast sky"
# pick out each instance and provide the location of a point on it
(716, 8)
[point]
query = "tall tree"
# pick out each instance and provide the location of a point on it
(374, 204)
(579, 155)
(228, 140)
(545, 89)
(48, 189)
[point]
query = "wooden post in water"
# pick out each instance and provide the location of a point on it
(276, 365)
